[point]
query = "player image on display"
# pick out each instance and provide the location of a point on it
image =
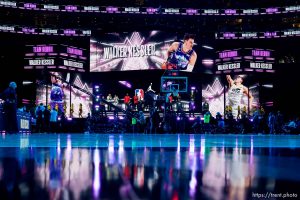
(65, 99)
(125, 51)
(241, 92)
(57, 93)
(236, 91)
(181, 55)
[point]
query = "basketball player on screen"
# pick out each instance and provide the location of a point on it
(181, 55)
(235, 94)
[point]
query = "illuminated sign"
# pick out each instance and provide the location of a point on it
(128, 51)
(245, 59)
(270, 34)
(111, 9)
(130, 9)
(228, 35)
(91, 8)
(71, 8)
(292, 8)
(287, 33)
(250, 11)
(249, 35)
(230, 11)
(51, 7)
(271, 10)
(69, 32)
(49, 31)
(143, 10)
(151, 10)
(211, 11)
(42, 49)
(70, 63)
(228, 54)
(172, 10)
(191, 11)
(55, 56)
(88, 32)
(30, 5)
(41, 62)
(229, 66)
(74, 51)
(7, 28)
(262, 53)
(261, 65)
(28, 30)
(8, 3)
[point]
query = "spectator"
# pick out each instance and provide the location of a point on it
(278, 122)
(126, 100)
(135, 101)
(47, 115)
(53, 120)
(206, 125)
(39, 113)
(10, 108)
(271, 123)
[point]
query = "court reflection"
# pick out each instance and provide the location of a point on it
(115, 172)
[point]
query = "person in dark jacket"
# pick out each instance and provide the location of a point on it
(10, 108)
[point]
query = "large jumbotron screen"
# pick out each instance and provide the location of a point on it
(130, 50)
(61, 96)
(235, 95)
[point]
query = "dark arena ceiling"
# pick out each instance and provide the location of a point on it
(128, 22)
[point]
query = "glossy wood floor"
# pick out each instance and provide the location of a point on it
(137, 166)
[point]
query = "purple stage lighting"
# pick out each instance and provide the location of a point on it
(125, 83)
(207, 62)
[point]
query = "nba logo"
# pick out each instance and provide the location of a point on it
(139, 93)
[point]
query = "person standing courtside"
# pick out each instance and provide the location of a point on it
(10, 108)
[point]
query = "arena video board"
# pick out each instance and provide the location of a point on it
(246, 59)
(55, 56)
(240, 92)
(68, 100)
(131, 51)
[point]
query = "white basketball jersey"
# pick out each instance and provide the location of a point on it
(235, 95)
